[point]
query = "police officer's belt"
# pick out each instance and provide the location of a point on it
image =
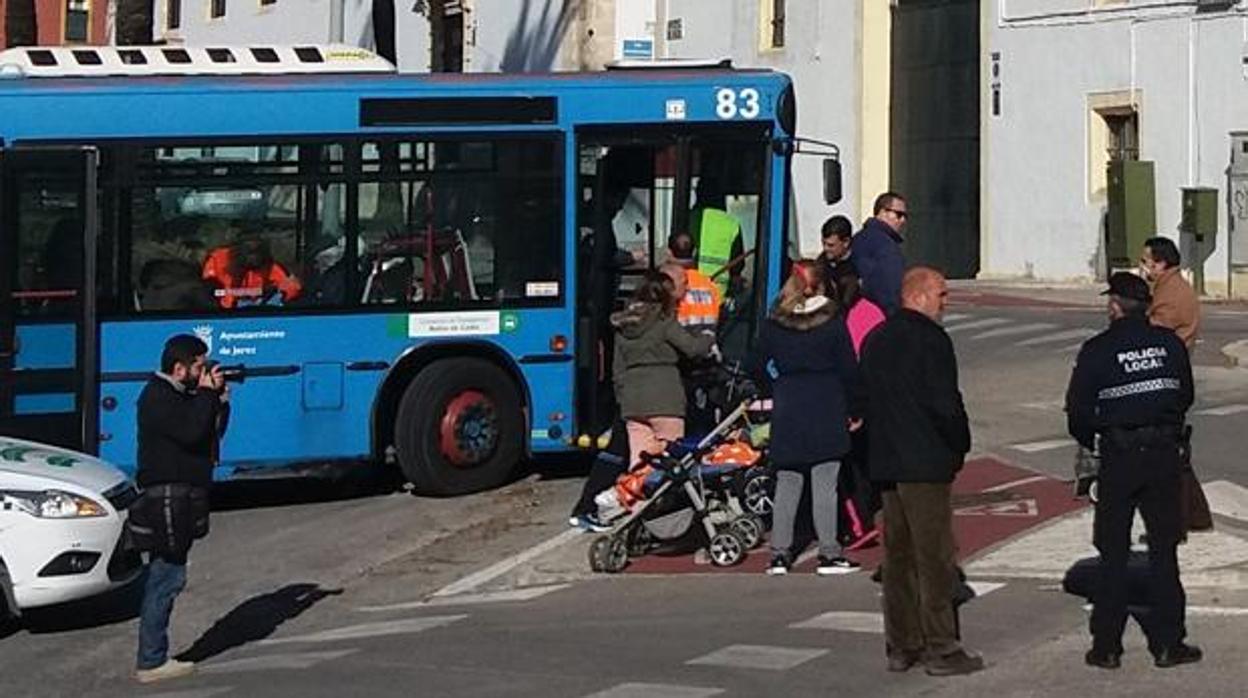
(1136, 436)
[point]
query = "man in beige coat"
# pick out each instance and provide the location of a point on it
(1175, 304)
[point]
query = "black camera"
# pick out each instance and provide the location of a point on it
(231, 374)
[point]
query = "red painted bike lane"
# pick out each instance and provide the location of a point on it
(993, 502)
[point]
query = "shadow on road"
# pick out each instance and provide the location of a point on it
(255, 619)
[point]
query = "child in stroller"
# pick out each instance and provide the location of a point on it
(720, 487)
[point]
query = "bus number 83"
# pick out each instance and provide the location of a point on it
(730, 104)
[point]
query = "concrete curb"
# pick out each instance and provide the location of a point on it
(1236, 353)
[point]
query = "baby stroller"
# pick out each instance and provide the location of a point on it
(720, 486)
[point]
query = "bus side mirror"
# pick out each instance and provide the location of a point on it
(831, 181)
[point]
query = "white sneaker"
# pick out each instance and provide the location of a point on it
(171, 669)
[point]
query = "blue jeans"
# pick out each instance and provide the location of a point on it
(165, 580)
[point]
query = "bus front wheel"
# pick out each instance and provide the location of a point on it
(459, 427)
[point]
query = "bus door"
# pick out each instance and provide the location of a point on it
(628, 186)
(635, 192)
(48, 224)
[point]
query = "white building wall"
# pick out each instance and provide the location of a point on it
(515, 36)
(247, 22)
(821, 55)
(1040, 219)
(499, 35)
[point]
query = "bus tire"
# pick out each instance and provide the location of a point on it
(459, 427)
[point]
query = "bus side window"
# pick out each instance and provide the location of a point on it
(245, 216)
(460, 223)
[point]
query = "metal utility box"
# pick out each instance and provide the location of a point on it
(1237, 197)
(1200, 212)
(1132, 215)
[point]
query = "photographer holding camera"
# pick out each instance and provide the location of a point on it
(182, 413)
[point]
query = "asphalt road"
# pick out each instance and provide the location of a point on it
(310, 590)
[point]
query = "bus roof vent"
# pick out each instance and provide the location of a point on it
(106, 61)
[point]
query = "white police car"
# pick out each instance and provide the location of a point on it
(61, 520)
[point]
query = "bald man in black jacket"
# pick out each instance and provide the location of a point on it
(919, 435)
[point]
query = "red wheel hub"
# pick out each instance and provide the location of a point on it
(468, 434)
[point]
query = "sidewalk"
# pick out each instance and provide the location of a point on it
(1074, 294)
(1025, 293)
(1085, 296)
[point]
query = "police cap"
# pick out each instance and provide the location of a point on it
(1124, 284)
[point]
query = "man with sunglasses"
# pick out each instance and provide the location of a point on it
(877, 251)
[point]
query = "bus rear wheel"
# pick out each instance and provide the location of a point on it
(459, 427)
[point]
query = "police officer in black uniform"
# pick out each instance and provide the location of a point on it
(1131, 387)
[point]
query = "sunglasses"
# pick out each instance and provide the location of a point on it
(900, 214)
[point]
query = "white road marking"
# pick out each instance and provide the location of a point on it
(502, 567)
(1038, 446)
(954, 317)
(193, 693)
(524, 594)
(656, 690)
(1017, 329)
(1223, 411)
(1018, 507)
(1077, 333)
(364, 630)
(1016, 483)
(759, 657)
(984, 588)
(1046, 406)
(1217, 611)
(976, 324)
(847, 621)
(1227, 498)
(299, 660)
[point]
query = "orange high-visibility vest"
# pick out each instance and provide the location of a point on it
(699, 308)
(253, 284)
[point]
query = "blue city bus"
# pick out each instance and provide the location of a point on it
(414, 269)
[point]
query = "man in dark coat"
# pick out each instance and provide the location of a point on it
(918, 439)
(181, 413)
(877, 252)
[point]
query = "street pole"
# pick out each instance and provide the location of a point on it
(337, 10)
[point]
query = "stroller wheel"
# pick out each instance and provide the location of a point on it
(726, 549)
(608, 554)
(758, 493)
(749, 529)
(1093, 491)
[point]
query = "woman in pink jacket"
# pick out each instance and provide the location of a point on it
(858, 497)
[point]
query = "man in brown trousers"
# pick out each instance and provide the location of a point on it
(919, 435)
(1175, 304)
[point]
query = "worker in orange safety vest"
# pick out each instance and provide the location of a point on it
(700, 297)
(245, 273)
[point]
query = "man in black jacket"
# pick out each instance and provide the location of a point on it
(1131, 389)
(181, 416)
(919, 436)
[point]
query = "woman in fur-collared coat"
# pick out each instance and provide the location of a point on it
(806, 356)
